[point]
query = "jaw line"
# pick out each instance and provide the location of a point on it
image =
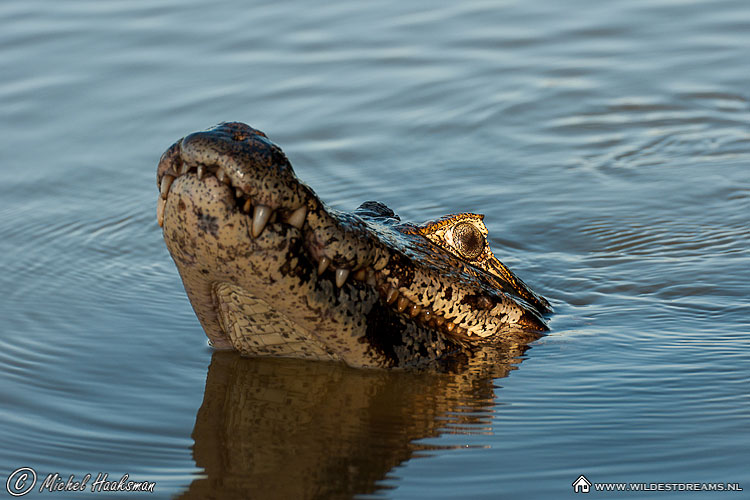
(209, 192)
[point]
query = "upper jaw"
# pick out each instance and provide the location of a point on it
(242, 157)
(391, 257)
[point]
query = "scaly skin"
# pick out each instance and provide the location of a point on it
(272, 271)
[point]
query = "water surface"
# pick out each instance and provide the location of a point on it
(606, 142)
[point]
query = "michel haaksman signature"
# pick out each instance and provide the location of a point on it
(23, 480)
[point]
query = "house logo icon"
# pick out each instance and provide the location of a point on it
(581, 485)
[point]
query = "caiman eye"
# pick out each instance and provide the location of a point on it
(468, 240)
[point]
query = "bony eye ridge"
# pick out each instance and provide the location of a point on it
(468, 240)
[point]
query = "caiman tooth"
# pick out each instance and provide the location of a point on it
(402, 303)
(427, 315)
(341, 275)
(391, 295)
(414, 310)
(261, 214)
(371, 280)
(246, 206)
(201, 171)
(160, 211)
(323, 265)
(297, 219)
(222, 176)
(238, 193)
(184, 169)
(450, 326)
(360, 275)
(166, 183)
(439, 320)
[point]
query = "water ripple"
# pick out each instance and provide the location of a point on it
(606, 143)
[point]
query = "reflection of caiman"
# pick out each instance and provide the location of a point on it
(273, 428)
(272, 271)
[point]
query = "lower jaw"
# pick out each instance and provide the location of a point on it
(256, 328)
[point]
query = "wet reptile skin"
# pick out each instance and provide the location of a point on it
(270, 270)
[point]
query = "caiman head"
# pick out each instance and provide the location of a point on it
(270, 270)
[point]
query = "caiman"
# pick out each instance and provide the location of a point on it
(270, 270)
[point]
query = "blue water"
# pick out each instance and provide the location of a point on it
(607, 143)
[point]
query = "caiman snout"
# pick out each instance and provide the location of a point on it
(272, 271)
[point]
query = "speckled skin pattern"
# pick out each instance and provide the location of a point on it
(271, 271)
